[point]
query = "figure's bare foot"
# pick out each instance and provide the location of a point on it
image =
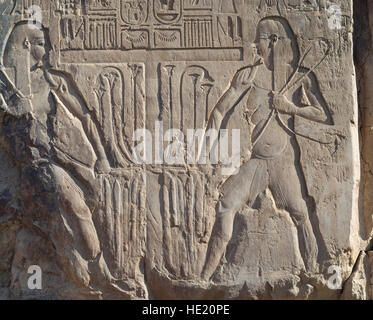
(102, 166)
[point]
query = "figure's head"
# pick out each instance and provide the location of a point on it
(275, 40)
(26, 41)
(26, 49)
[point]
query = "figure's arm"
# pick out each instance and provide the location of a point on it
(311, 104)
(71, 98)
(226, 103)
(240, 85)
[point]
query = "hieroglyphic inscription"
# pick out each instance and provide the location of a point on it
(145, 24)
(98, 72)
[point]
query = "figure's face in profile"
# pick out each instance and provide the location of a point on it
(263, 44)
(38, 46)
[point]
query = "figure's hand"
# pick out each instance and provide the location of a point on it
(245, 76)
(243, 79)
(282, 104)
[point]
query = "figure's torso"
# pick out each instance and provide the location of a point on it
(268, 136)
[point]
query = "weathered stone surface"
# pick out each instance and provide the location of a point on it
(109, 210)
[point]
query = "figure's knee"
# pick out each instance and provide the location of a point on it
(299, 217)
(224, 234)
(298, 212)
(92, 247)
(224, 222)
(229, 203)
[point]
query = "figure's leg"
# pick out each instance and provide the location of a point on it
(243, 187)
(286, 187)
(62, 214)
(73, 232)
(82, 252)
(76, 214)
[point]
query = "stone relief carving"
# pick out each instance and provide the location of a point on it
(55, 138)
(282, 89)
(29, 120)
(308, 5)
(127, 25)
(74, 89)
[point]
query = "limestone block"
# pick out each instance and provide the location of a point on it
(101, 102)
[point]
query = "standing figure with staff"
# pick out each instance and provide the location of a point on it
(277, 89)
(55, 185)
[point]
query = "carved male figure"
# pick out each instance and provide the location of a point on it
(54, 186)
(277, 89)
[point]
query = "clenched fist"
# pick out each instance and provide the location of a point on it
(245, 77)
(282, 104)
